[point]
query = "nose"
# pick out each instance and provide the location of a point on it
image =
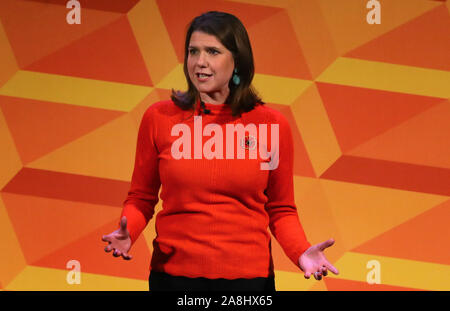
(201, 60)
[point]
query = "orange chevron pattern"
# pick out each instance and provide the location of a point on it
(368, 105)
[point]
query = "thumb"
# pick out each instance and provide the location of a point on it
(325, 244)
(123, 224)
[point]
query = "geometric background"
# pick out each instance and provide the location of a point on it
(368, 106)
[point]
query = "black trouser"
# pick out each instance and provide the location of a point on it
(160, 281)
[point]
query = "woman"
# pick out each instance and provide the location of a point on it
(212, 230)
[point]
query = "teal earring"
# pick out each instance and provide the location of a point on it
(236, 78)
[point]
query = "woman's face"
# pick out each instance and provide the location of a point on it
(208, 56)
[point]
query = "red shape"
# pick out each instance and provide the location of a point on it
(422, 140)
(40, 127)
(89, 251)
(40, 28)
(109, 53)
(119, 6)
(334, 284)
(70, 187)
(290, 59)
(422, 238)
(44, 225)
(358, 114)
(177, 16)
(389, 174)
(422, 42)
(283, 56)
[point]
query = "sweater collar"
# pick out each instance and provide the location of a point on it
(215, 109)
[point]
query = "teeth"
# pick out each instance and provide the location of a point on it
(203, 75)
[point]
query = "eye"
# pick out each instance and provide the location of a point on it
(213, 51)
(192, 51)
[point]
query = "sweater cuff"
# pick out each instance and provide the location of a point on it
(296, 255)
(136, 221)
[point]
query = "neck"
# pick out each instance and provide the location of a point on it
(217, 98)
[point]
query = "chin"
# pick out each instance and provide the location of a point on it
(205, 90)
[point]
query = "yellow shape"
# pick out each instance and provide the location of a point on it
(316, 215)
(74, 91)
(395, 271)
(12, 261)
(107, 152)
(318, 135)
(174, 80)
(10, 162)
(292, 281)
(153, 39)
(279, 90)
(388, 77)
(46, 279)
(272, 89)
(9, 64)
(319, 286)
(138, 112)
(312, 34)
(363, 212)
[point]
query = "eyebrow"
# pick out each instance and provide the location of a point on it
(206, 47)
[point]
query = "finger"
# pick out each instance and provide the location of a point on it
(106, 238)
(307, 275)
(332, 268)
(322, 246)
(317, 276)
(324, 271)
(117, 253)
(126, 256)
(123, 224)
(108, 248)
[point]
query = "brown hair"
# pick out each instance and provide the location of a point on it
(229, 30)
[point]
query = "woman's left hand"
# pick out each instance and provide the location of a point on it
(313, 261)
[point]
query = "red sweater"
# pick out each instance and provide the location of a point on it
(215, 212)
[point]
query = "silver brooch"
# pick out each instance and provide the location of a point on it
(248, 142)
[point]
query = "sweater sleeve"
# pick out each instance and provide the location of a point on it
(284, 222)
(139, 205)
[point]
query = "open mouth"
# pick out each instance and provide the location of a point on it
(203, 76)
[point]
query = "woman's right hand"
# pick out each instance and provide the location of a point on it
(119, 241)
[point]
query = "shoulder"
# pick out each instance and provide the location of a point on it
(161, 107)
(164, 109)
(271, 115)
